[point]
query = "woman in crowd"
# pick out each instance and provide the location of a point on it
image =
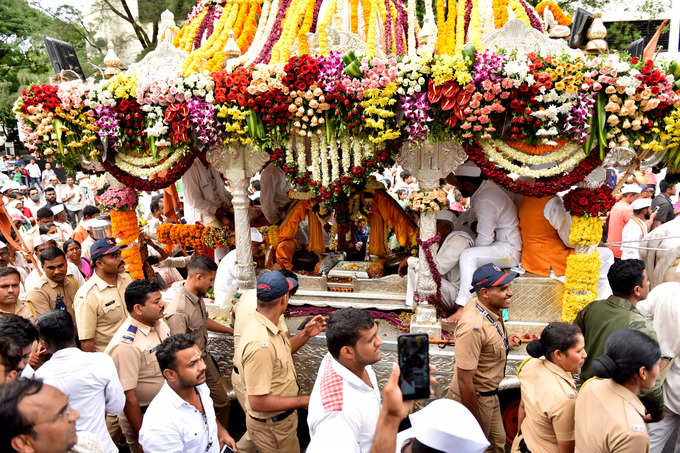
(73, 251)
(609, 414)
(549, 390)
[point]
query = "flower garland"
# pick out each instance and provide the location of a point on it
(125, 227)
(560, 16)
(137, 183)
(561, 154)
(580, 289)
(491, 152)
(585, 230)
(195, 236)
(436, 298)
(537, 189)
(142, 171)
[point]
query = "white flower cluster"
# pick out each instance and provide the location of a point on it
(517, 69)
(100, 95)
(156, 125)
(410, 75)
(199, 84)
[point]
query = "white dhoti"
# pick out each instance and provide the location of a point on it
(447, 261)
(499, 253)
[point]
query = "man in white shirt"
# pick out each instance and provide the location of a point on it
(273, 193)
(61, 221)
(206, 199)
(72, 197)
(636, 229)
(48, 174)
(498, 240)
(181, 417)
(345, 402)
(34, 174)
(156, 208)
(662, 309)
(89, 379)
(226, 282)
(453, 240)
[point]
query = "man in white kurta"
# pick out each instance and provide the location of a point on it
(448, 255)
(635, 230)
(498, 240)
(273, 193)
(205, 197)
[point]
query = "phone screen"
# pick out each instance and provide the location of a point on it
(414, 366)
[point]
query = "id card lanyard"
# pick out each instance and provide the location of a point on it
(483, 311)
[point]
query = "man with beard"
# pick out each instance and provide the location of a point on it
(482, 345)
(345, 402)
(635, 230)
(187, 314)
(132, 349)
(99, 305)
(181, 417)
(55, 290)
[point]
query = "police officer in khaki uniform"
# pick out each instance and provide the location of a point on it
(482, 345)
(56, 290)
(609, 416)
(100, 303)
(187, 314)
(10, 282)
(133, 349)
(549, 390)
(263, 360)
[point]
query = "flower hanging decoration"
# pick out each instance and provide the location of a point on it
(195, 236)
(427, 202)
(586, 207)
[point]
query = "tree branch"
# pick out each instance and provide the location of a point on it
(138, 29)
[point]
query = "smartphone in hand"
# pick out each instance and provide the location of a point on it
(414, 366)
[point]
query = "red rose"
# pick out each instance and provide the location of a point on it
(634, 60)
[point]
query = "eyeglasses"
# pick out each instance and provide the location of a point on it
(65, 413)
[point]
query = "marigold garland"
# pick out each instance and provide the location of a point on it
(560, 16)
(580, 289)
(125, 226)
(195, 236)
(585, 230)
(537, 149)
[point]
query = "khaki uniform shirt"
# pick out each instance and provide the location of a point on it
(479, 347)
(549, 397)
(187, 314)
(44, 296)
(133, 349)
(609, 419)
(23, 309)
(100, 309)
(264, 361)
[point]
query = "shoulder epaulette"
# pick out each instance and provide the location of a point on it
(594, 378)
(521, 365)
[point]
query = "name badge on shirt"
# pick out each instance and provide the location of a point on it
(109, 303)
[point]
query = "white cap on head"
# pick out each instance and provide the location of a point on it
(433, 426)
(469, 169)
(3, 245)
(630, 188)
(40, 240)
(641, 203)
(57, 209)
(446, 215)
(255, 235)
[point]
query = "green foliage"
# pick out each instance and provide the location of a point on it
(620, 35)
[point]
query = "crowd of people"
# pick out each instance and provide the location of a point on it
(93, 361)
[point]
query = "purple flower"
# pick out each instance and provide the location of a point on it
(331, 71)
(203, 118)
(577, 123)
(108, 125)
(265, 54)
(488, 66)
(416, 114)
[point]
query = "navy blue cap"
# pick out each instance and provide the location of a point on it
(491, 275)
(272, 285)
(103, 247)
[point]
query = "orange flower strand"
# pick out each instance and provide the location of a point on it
(561, 17)
(537, 150)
